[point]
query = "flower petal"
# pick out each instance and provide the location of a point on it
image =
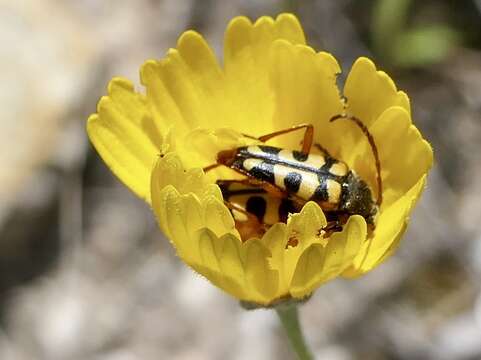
(169, 170)
(369, 92)
(191, 213)
(124, 141)
(308, 271)
(305, 226)
(230, 262)
(276, 239)
(246, 68)
(319, 264)
(287, 243)
(261, 279)
(245, 41)
(187, 193)
(404, 155)
(185, 88)
(391, 225)
(217, 217)
(304, 84)
(240, 269)
(220, 263)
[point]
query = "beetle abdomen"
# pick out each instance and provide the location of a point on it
(268, 210)
(306, 176)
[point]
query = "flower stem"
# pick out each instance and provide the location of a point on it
(288, 314)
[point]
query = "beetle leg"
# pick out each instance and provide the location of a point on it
(250, 189)
(235, 207)
(306, 143)
(331, 227)
(227, 182)
(335, 225)
(211, 167)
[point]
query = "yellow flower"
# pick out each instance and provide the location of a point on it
(157, 142)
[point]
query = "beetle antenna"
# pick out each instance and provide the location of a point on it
(373, 148)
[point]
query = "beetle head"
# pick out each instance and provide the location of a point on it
(357, 198)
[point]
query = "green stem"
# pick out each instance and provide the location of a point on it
(290, 320)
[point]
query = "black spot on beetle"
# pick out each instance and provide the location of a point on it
(321, 193)
(257, 205)
(286, 207)
(299, 155)
(292, 182)
(270, 149)
(327, 166)
(264, 171)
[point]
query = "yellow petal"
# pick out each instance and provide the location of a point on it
(240, 269)
(170, 210)
(162, 105)
(319, 264)
(246, 40)
(404, 155)
(262, 280)
(169, 170)
(391, 225)
(308, 271)
(209, 142)
(369, 92)
(305, 90)
(303, 230)
(185, 88)
(230, 263)
(246, 64)
(343, 247)
(200, 60)
(122, 139)
(275, 240)
(209, 250)
(288, 27)
(216, 270)
(306, 225)
(217, 217)
(193, 196)
(191, 213)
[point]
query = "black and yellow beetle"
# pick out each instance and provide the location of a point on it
(301, 176)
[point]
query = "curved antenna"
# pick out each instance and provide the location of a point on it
(306, 142)
(373, 148)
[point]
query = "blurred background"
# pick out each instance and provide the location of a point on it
(84, 271)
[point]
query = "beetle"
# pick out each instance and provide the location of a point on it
(302, 176)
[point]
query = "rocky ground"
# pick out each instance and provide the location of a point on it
(84, 271)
